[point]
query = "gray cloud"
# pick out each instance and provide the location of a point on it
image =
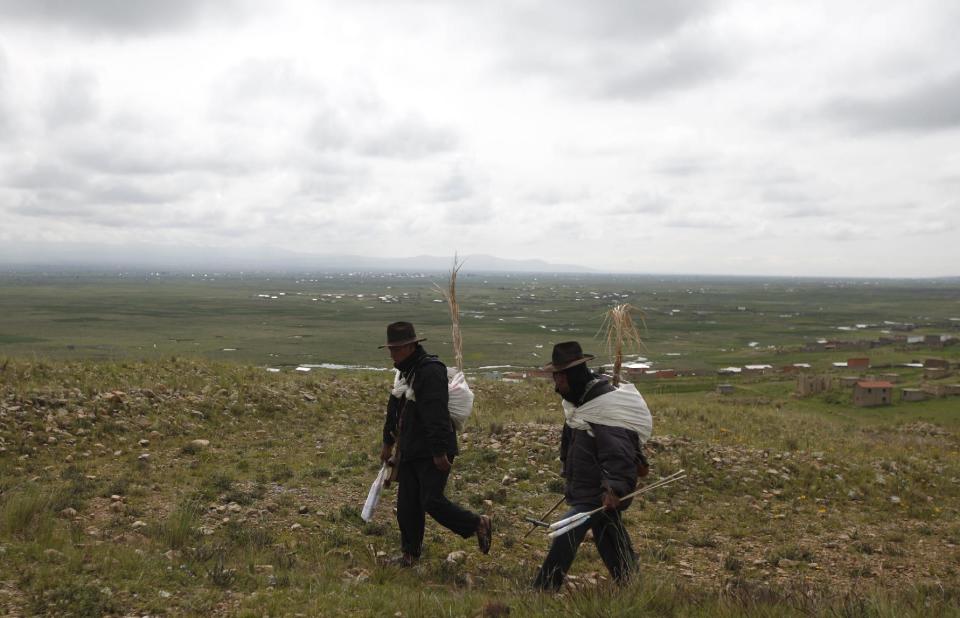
(645, 204)
(454, 188)
(118, 16)
(6, 122)
(931, 106)
(408, 138)
(71, 99)
(793, 202)
(625, 20)
(624, 50)
(679, 66)
(682, 166)
(699, 220)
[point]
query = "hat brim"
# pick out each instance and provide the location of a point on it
(554, 368)
(399, 344)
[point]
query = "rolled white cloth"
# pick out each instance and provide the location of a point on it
(373, 497)
(624, 407)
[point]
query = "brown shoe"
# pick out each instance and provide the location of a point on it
(484, 534)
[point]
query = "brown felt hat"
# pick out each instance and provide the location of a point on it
(400, 334)
(566, 355)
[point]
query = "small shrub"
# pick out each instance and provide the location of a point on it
(281, 472)
(702, 541)
(27, 515)
(732, 563)
(72, 599)
(319, 472)
(179, 529)
(219, 575)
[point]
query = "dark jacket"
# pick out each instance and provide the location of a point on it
(422, 427)
(606, 460)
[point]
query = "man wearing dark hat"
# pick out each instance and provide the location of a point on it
(601, 458)
(418, 424)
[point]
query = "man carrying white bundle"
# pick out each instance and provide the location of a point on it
(418, 422)
(600, 450)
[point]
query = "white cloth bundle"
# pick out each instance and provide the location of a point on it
(624, 407)
(461, 397)
(373, 498)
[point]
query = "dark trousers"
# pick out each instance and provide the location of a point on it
(420, 491)
(611, 539)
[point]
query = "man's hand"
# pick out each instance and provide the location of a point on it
(442, 463)
(610, 501)
(386, 453)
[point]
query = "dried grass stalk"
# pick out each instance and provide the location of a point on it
(621, 332)
(450, 294)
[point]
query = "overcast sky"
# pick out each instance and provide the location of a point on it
(683, 136)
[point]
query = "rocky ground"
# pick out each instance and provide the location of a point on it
(182, 488)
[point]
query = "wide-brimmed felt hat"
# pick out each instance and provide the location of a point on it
(399, 334)
(566, 355)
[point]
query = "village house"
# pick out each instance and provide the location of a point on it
(858, 363)
(935, 373)
(809, 385)
(725, 389)
(876, 393)
(913, 394)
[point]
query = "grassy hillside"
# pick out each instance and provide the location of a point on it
(184, 487)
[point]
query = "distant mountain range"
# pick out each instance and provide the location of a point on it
(126, 257)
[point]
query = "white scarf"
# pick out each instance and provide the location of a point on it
(624, 407)
(401, 388)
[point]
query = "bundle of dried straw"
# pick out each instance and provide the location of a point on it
(450, 294)
(620, 332)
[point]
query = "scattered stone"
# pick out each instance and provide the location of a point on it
(69, 512)
(115, 498)
(144, 457)
(457, 557)
(296, 527)
(303, 509)
(199, 443)
(895, 499)
(144, 442)
(138, 524)
(263, 568)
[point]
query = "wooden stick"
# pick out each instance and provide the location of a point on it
(544, 516)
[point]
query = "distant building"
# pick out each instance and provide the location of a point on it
(872, 393)
(934, 341)
(725, 389)
(951, 390)
(936, 363)
(850, 381)
(809, 385)
(858, 363)
(890, 377)
(913, 394)
(935, 373)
